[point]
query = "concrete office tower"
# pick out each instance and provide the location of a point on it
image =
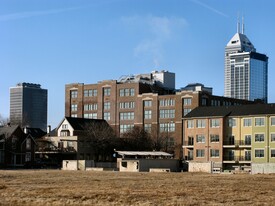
(245, 70)
(28, 105)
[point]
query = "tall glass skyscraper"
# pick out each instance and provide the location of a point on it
(245, 69)
(29, 105)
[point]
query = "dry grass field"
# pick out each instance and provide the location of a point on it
(56, 187)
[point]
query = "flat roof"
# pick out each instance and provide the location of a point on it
(144, 153)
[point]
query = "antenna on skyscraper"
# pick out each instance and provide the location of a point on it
(238, 23)
(242, 25)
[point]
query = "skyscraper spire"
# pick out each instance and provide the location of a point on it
(238, 24)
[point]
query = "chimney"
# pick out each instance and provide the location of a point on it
(49, 129)
(25, 130)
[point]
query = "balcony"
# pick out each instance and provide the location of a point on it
(231, 143)
(245, 143)
(188, 144)
(246, 158)
(231, 159)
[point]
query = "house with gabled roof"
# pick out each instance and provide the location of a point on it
(73, 139)
(230, 136)
(16, 147)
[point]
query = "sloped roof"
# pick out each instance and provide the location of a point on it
(36, 132)
(8, 130)
(81, 123)
(241, 40)
(240, 110)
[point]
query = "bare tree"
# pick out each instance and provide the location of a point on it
(137, 139)
(101, 138)
(3, 121)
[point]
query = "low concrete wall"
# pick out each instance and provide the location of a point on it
(159, 170)
(77, 164)
(200, 167)
(97, 169)
(262, 168)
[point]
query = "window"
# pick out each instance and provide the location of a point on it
(272, 153)
(88, 107)
(107, 116)
(166, 102)
(231, 140)
(70, 144)
(127, 105)
(214, 153)
(200, 123)
(28, 143)
(64, 133)
(90, 115)
(215, 102)
(259, 121)
(28, 157)
(74, 115)
(200, 138)
(107, 105)
(74, 107)
(74, 94)
(247, 122)
(200, 153)
(148, 127)
(214, 122)
(272, 137)
(64, 126)
(231, 122)
(132, 92)
(204, 102)
(125, 127)
(214, 138)
(190, 124)
(147, 114)
(147, 103)
(272, 121)
(259, 153)
(186, 111)
(126, 92)
(167, 127)
(90, 93)
(167, 113)
(187, 101)
(107, 91)
(127, 115)
(259, 137)
(247, 139)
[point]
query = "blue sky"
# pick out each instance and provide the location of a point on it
(57, 42)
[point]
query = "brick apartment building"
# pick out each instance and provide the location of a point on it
(145, 100)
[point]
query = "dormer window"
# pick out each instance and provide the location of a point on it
(64, 126)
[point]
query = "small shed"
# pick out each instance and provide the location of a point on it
(145, 161)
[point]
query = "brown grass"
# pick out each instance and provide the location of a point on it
(55, 187)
